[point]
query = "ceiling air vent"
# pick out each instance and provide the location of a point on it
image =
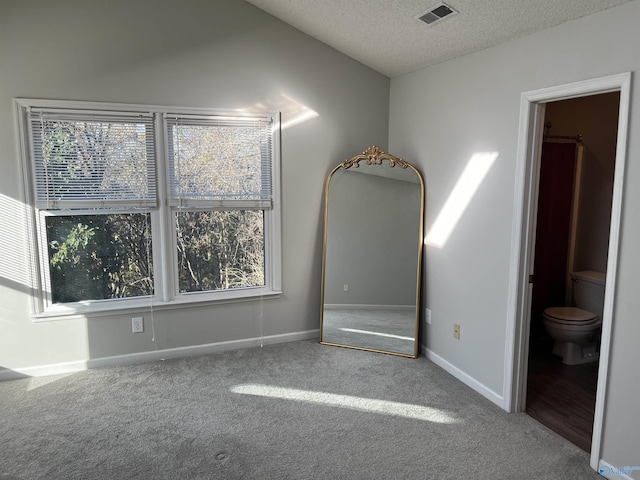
(436, 14)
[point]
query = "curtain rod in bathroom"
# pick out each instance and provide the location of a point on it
(575, 138)
(547, 127)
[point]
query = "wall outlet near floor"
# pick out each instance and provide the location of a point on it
(456, 331)
(427, 316)
(346, 287)
(137, 325)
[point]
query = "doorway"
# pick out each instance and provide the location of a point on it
(532, 118)
(575, 192)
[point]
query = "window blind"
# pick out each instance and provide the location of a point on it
(220, 162)
(93, 160)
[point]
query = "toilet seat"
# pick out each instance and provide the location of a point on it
(570, 316)
(574, 329)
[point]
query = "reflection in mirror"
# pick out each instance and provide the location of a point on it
(372, 254)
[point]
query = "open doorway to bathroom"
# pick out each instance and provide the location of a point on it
(575, 192)
(530, 135)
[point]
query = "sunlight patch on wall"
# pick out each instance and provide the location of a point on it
(292, 111)
(468, 183)
(384, 407)
(14, 270)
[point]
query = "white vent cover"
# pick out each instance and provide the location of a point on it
(436, 14)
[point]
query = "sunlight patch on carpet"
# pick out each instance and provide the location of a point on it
(37, 382)
(385, 407)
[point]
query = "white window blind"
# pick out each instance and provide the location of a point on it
(220, 162)
(93, 160)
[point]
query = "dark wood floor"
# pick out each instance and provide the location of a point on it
(562, 397)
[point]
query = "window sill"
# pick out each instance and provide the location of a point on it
(124, 307)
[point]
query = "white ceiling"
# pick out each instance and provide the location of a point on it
(387, 36)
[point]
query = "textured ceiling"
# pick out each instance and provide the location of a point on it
(386, 36)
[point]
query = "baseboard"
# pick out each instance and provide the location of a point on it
(463, 377)
(141, 357)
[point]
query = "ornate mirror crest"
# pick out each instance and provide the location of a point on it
(374, 155)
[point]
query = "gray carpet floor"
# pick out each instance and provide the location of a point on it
(292, 411)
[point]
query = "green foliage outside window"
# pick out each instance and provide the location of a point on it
(98, 257)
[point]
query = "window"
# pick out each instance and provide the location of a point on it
(138, 204)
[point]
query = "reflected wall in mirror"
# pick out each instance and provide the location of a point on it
(372, 254)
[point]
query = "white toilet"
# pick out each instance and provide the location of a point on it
(574, 328)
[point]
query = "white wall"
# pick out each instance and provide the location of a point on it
(200, 53)
(439, 117)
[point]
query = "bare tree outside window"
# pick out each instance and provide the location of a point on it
(219, 248)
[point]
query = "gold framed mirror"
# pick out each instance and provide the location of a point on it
(372, 254)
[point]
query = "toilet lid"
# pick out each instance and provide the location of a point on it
(570, 314)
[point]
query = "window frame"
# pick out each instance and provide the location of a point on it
(163, 233)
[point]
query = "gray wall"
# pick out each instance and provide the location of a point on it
(194, 53)
(439, 117)
(372, 239)
(596, 118)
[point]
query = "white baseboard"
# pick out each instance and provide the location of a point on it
(132, 358)
(463, 377)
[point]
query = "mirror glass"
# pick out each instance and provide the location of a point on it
(372, 254)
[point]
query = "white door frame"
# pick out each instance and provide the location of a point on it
(532, 106)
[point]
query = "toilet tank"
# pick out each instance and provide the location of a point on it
(588, 291)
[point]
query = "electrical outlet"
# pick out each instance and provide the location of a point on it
(346, 287)
(456, 331)
(427, 315)
(137, 324)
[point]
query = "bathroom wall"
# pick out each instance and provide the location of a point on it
(596, 118)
